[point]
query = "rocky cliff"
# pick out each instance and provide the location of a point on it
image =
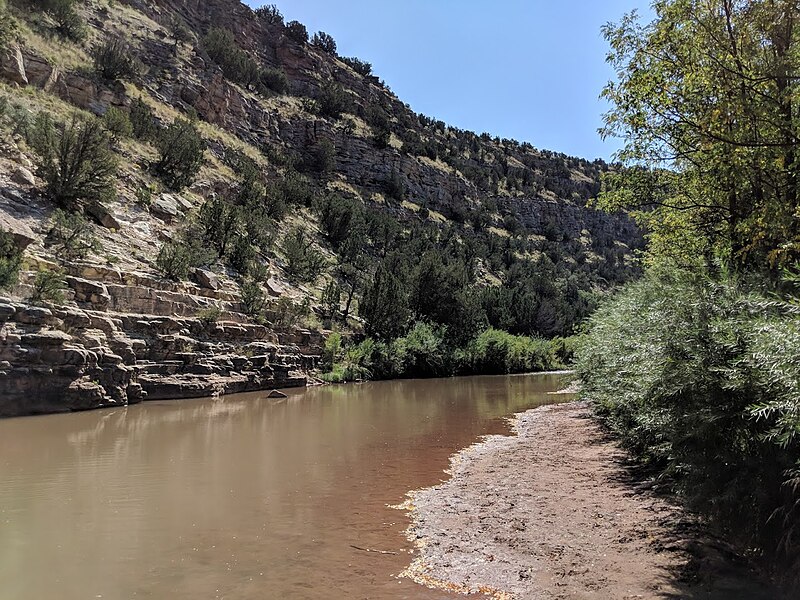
(125, 333)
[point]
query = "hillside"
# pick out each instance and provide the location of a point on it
(313, 199)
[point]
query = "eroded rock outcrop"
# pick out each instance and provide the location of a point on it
(60, 359)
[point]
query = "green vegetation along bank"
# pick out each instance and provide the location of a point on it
(696, 368)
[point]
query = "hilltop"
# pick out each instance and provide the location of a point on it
(261, 191)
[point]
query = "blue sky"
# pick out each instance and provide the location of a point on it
(531, 70)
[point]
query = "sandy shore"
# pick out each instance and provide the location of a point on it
(554, 513)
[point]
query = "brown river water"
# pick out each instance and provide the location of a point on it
(241, 497)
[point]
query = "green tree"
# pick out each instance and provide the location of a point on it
(182, 150)
(705, 102)
(75, 159)
(321, 158)
(179, 31)
(275, 80)
(361, 67)
(118, 123)
(10, 261)
(236, 64)
(48, 288)
(143, 121)
(68, 22)
(385, 304)
(324, 42)
(254, 299)
(72, 236)
(333, 100)
(114, 59)
(331, 301)
(297, 32)
(303, 261)
(220, 223)
(175, 260)
(270, 14)
(340, 219)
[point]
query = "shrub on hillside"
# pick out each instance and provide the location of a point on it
(297, 32)
(181, 149)
(270, 14)
(324, 42)
(275, 80)
(321, 158)
(118, 123)
(75, 159)
(339, 217)
(8, 26)
(333, 101)
(72, 236)
(254, 299)
(381, 137)
(236, 64)
(68, 22)
(175, 260)
(179, 31)
(394, 187)
(698, 374)
(48, 288)
(114, 59)
(219, 223)
(242, 255)
(295, 189)
(143, 120)
(10, 261)
(361, 67)
(303, 261)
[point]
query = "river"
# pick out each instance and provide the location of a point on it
(241, 497)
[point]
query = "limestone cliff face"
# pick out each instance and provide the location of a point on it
(124, 338)
(126, 334)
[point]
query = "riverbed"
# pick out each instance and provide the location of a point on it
(241, 497)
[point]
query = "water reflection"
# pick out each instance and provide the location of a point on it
(240, 497)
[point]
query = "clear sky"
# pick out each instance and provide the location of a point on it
(531, 70)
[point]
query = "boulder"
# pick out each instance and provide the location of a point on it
(12, 65)
(206, 279)
(22, 234)
(23, 176)
(7, 311)
(165, 207)
(275, 288)
(103, 216)
(91, 292)
(34, 315)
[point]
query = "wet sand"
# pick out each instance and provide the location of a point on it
(553, 512)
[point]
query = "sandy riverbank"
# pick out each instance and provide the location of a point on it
(553, 512)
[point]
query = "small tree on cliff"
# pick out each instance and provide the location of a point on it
(385, 305)
(297, 32)
(115, 60)
(270, 14)
(10, 260)
(182, 152)
(68, 22)
(75, 159)
(324, 42)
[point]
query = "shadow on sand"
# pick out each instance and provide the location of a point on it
(713, 569)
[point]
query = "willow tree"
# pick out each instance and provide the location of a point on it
(706, 101)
